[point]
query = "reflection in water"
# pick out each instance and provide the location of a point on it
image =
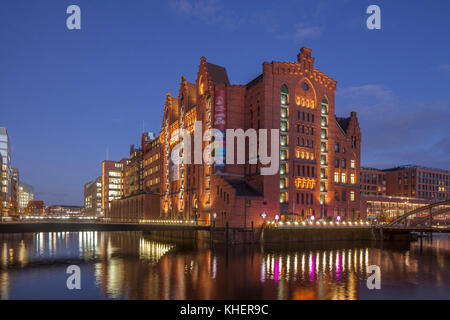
(129, 265)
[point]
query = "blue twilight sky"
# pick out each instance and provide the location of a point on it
(66, 96)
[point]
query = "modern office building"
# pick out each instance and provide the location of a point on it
(5, 155)
(26, 194)
(93, 198)
(112, 183)
(319, 153)
(418, 182)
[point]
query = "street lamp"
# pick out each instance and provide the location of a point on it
(214, 216)
(263, 215)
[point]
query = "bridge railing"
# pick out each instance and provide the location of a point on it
(425, 209)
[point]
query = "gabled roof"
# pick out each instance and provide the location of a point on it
(243, 189)
(343, 123)
(217, 73)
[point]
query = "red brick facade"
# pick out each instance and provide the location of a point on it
(315, 145)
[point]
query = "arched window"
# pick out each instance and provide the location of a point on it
(324, 105)
(284, 95)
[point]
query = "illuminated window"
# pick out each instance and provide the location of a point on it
(284, 95)
(352, 195)
(352, 164)
(336, 176)
(343, 178)
(352, 178)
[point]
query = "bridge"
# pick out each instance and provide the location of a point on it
(431, 218)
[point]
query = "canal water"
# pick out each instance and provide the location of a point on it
(131, 265)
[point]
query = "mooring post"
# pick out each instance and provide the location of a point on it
(253, 232)
(211, 235)
(226, 233)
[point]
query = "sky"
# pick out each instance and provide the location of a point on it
(68, 96)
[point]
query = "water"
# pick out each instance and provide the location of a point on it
(130, 265)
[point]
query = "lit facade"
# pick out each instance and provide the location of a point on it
(141, 183)
(418, 182)
(15, 182)
(387, 208)
(26, 194)
(319, 153)
(373, 182)
(93, 198)
(112, 182)
(5, 157)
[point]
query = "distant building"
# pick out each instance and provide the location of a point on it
(64, 211)
(5, 157)
(35, 208)
(141, 183)
(112, 182)
(418, 182)
(93, 198)
(373, 182)
(26, 194)
(15, 181)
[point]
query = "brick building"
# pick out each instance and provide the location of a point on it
(373, 182)
(319, 153)
(35, 208)
(418, 182)
(141, 183)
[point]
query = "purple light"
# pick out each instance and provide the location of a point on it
(338, 218)
(312, 218)
(277, 217)
(263, 215)
(276, 270)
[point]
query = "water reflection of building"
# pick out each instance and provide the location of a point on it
(323, 274)
(128, 265)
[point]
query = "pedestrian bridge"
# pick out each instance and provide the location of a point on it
(431, 218)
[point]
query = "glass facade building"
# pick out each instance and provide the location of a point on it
(5, 153)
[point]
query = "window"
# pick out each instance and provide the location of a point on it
(336, 177)
(352, 164)
(324, 106)
(336, 163)
(284, 95)
(343, 163)
(352, 178)
(352, 195)
(343, 178)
